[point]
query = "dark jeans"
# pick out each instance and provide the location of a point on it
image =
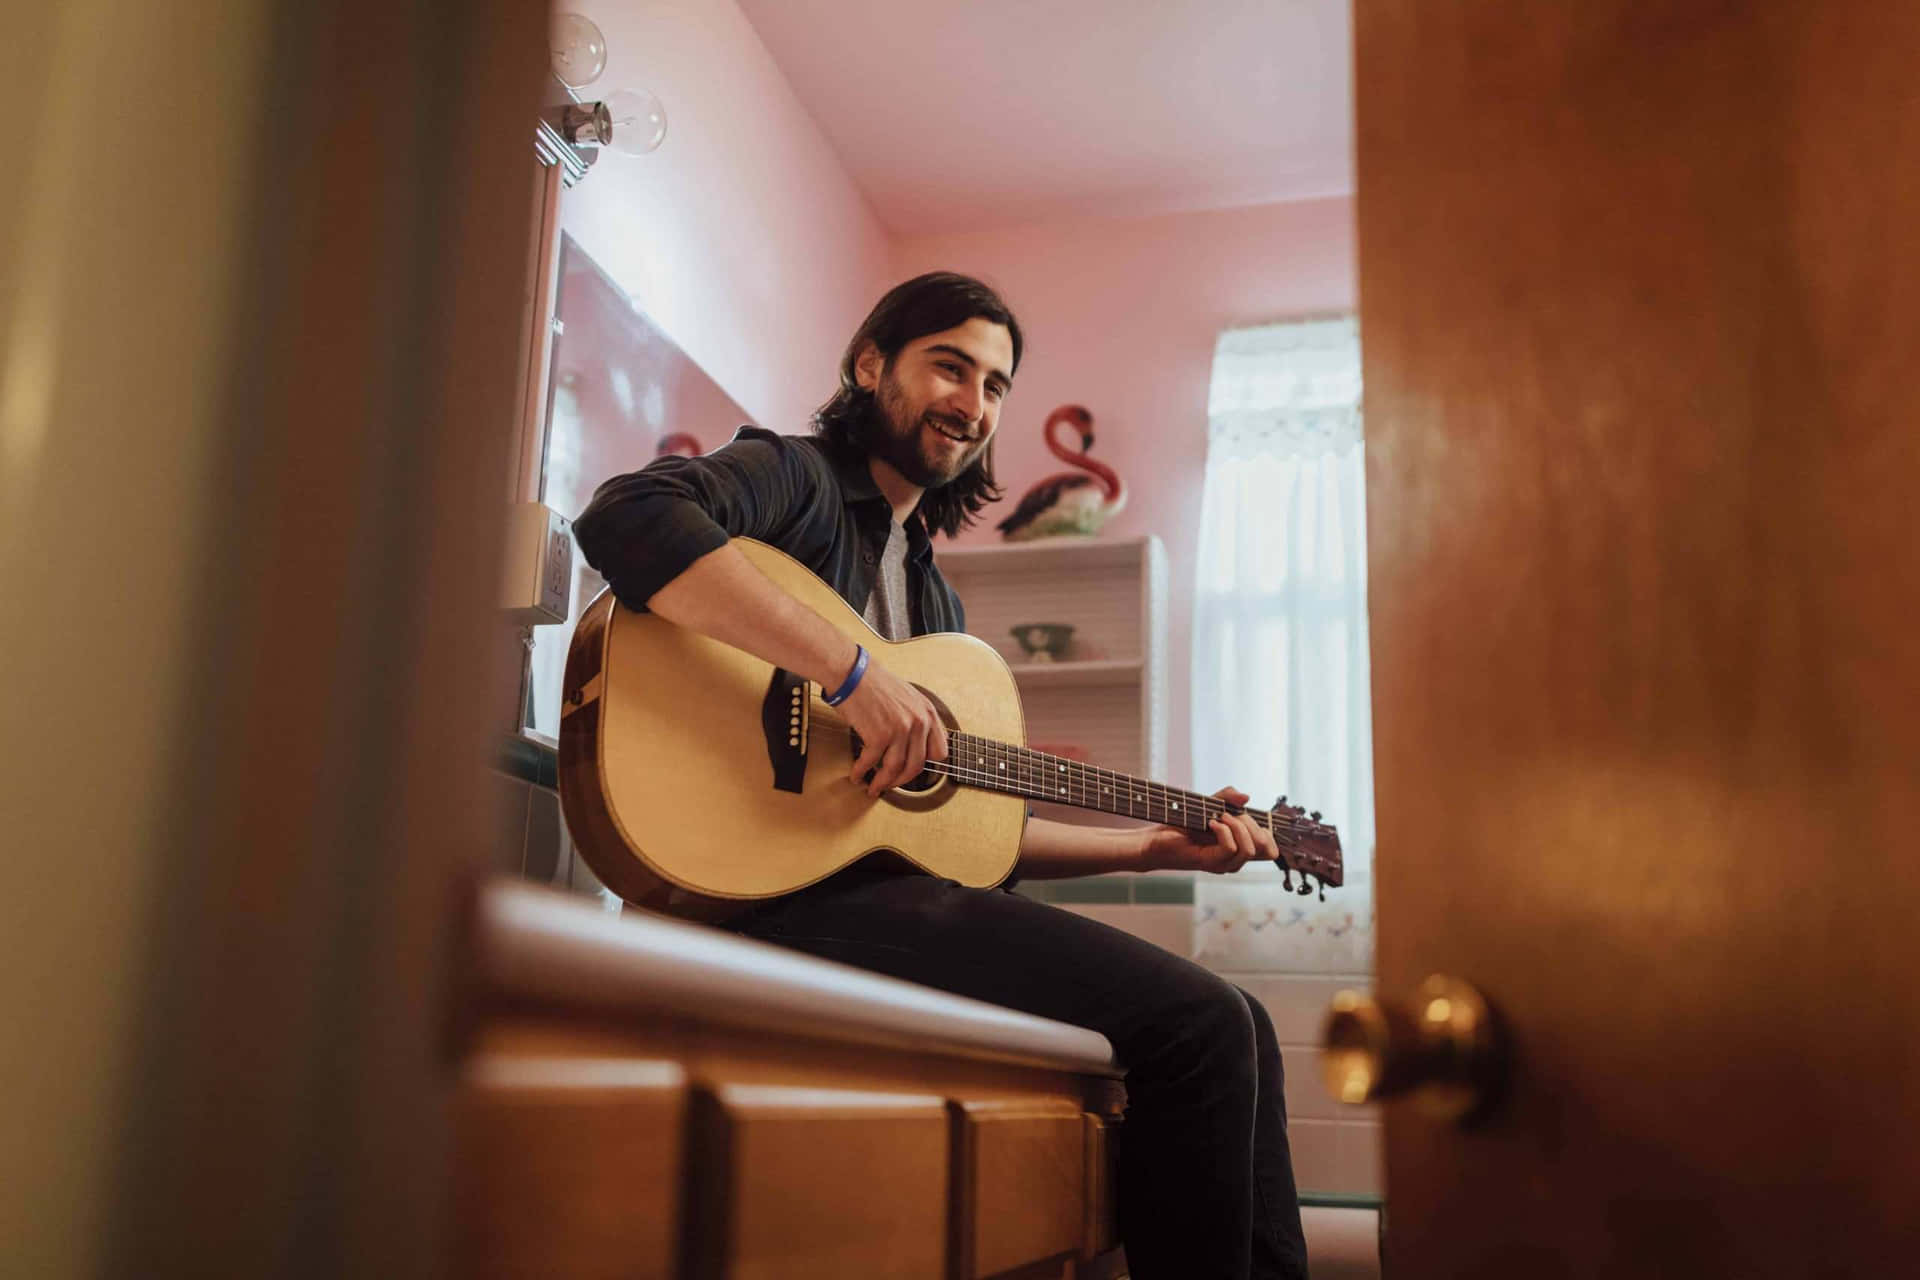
(1206, 1181)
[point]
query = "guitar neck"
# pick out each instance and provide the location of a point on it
(1021, 771)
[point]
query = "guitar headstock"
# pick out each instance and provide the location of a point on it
(1307, 845)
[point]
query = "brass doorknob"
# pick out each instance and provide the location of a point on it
(1447, 1054)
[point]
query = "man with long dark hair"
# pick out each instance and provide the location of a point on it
(903, 450)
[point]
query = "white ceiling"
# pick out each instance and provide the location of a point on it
(966, 114)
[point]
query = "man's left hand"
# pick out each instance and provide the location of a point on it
(1232, 840)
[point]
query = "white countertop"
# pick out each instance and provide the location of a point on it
(554, 948)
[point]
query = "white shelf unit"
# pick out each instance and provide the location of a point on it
(1042, 675)
(1108, 695)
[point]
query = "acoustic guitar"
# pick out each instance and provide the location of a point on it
(695, 776)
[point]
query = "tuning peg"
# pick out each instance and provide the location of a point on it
(1282, 800)
(1315, 815)
(1306, 884)
(1286, 878)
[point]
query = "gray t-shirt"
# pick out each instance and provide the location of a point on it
(887, 611)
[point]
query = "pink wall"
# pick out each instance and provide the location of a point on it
(745, 240)
(742, 237)
(1121, 316)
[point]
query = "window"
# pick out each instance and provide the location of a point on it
(1280, 673)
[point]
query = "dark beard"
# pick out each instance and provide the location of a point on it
(875, 428)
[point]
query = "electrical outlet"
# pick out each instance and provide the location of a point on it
(537, 582)
(556, 578)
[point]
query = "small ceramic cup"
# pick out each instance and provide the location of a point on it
(1043, 641)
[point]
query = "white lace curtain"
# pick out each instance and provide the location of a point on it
(1280, 673)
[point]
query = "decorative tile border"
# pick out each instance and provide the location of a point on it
(1121, 888)
(1342, 1200)
(1108, 889)
(1266, 929)
(528, 761)
(1155, 890)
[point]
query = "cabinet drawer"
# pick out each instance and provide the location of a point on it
(567, 1168)
(797, 1182)
(1101, 1229)
(1020, 1182)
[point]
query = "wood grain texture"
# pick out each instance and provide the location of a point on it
(1640, 310)
(1019, 1179)
(568, 1168)
(817, 1182)
(810, 1151)
(742, 1055)
(680, 768)
(1100, 1229)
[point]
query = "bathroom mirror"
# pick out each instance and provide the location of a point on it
(618, 391)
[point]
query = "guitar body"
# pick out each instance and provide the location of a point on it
(670, 792)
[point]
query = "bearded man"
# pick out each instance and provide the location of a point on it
(902, 451)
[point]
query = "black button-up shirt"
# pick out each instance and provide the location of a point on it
(815, 502)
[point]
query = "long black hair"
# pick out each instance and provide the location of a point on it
(932, 303)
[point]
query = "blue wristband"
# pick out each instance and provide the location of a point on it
(852, 681)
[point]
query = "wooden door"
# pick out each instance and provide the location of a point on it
(1641, 310)
(260, 264)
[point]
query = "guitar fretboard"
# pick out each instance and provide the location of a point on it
(1021, 771)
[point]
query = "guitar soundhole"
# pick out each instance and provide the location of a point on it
(927, 792)
(918, 785)
(927, 781)
(924, 782)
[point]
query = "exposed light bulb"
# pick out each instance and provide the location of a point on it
(639, 121)
(579, 51)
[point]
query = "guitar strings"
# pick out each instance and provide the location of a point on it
(999, 782)
(1030, 766)
(1211, 807)
(1285, 828)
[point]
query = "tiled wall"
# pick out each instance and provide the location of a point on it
(1336, 1148)
(529, 838)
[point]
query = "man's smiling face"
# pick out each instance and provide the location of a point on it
(938, 399)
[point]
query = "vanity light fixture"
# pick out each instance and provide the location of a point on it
(585, 124)
(639, 121)
(630, 121)
(576, 49)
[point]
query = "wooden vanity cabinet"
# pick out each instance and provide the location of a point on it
(641, 1097)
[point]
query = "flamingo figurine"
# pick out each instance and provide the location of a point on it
(1067, 502)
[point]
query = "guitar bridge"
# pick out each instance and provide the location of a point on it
(784, 718)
